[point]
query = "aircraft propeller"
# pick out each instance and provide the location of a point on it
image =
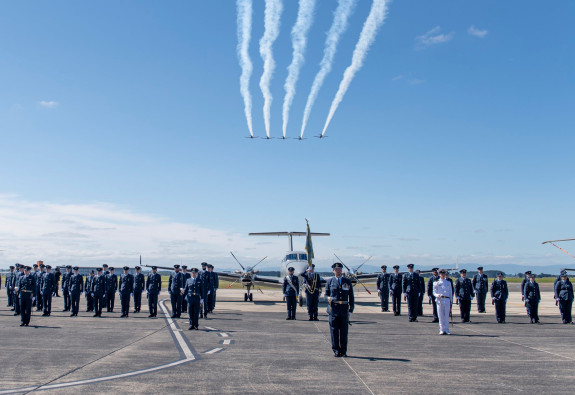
(352, 273)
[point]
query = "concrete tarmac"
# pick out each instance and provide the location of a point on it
(250, 348)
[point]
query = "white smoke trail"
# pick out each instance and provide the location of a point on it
(339, 25)
(244, 8)
(366, 38)
(299, 43)
(273, 13)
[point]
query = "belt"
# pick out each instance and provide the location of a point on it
(443, 297)
(24, 290)
(339, 302)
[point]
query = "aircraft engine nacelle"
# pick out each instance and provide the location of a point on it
(358, 273)
(238, 272)
(247, 281)
(256, 271)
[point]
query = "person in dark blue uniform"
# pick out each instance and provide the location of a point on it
(382, 284)
(111, 288)
(15, 284)
(312, 286)
(66, 288)
(434, 277)
(139, 285)
(523, 282)
(175, 289)
(153, 288)
(564, 296)
(9, 288)
(35, 273)
(27, 289)
(47, 290)
(421, 294)
(532, 298)
(58, 275)
(215, 283)
(99, 284)
(410, 288)
(464, 294)
(39, 277)
(126, 288)
(184, 298)
(76, 287)
(205, 277)
(290, 290)
(481, 286)
(499, 295)
(194, 292)
(395, 283)
(339, 294)
(88, 291)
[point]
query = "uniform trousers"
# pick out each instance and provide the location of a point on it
(153, 304)
(500, 310)
(194, 310)
(481, 301)
(67, 305)
(75, 302)
(464, 309)
(47, 302)
(443, 307)
(89, 302)
(110, 299)
(565, 308)
(384, 299)
(533, 309)
(25, 307)
(99, 302)
(338, 326)
(312, 302)
(434, 304)
(125, 301)
(176, 300)
(412, 301)
(10, 295)
(16, 301)
(137, 300)
(396, 301)
(291, 302)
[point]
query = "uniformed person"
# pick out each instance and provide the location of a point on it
(111, 288)
(39, 278)
(88, 291)
(36, 274)
(139, 286)
(215, 282)
(58, 276)
(105, 272)
(290, 290)
(564, 292)
(410, 288)
(532, 298)
(559, 277)
(464, 294)
(9, 288)
(176, 289)
(153, 288)
(421, 294)
(395, 283)
(126, 288)
(76, 287)
(208, 281)
(15, 284)
(184, 299)
(312, 287)
(194, 292)
(99, 284)
(442, 296)
(499, 295)
(383, 288)
(66, 287)
(523, 282)
(27, 288)
(434, 277)
(339, 294)
(48, 286)
(481, 287)
(205, 277)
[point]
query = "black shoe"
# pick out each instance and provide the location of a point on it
(435, 320)
(315, 319)
(288, 318)
(151, 315)
(16, 314)
(336, 354)
(95, 315)
(190, 327)
(344, 355)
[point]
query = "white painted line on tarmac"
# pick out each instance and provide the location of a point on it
(224, 334)
(227, 341)
(213, 350)
(184, 346)
(210, 328)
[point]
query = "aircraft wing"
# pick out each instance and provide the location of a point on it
(367, 276)
(230, 276)
(268, 279)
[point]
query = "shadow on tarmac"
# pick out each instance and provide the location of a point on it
(373, 359)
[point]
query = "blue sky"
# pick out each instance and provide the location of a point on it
(122, 132)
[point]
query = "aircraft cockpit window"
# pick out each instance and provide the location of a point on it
(303, 257)
(291, 257)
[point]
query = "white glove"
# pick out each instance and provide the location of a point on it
(201, 301)
(209, 292)
(378, 291)
(285, 296)
(349, 315)
(33, 299)
(132, 294)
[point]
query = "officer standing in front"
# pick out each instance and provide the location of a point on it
(153, 288)
(312, 286)
(27, 289)
(339, 293)
(290, 290)
(464, 294)
(111, 288)
(532, 298)
(434, 277)
(125, 290)
(395, 284)
(175, 288)
(564, 292)
(66, 287)
(8, 286)
(499, 295)
(383, 288)
(88, 291)
(99, 284)
(481, 287)
(194, 292)
(49, 284)
(76, 286)
(410, 288)
(442, 295)
(139, 285)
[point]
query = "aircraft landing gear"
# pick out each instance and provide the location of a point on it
(245, 297)
(248, 296)
(251, 297)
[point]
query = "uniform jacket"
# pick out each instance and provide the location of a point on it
(564, 290)
(383, 282)
(154, 283)
(523, 282)
(176, 282)
(531, 292)
(111, 282)
(287, 289)
(313, 282)
(216, 280)
(27, 284)
(99, 285)
(464, 289)
(76, 283)
(49, 284)
(499, 290)
(395, 283)
(410, 283)
(139, 282)
(126, 283)
(430, 282)
(8, 279)
(88, 283)
(66, 280)
(194, 288)
(339, 293)
(208, 280)
(421, 285)
(480, 283)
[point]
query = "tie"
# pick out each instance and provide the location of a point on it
(339, 280)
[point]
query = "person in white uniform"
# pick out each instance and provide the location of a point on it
(443, 294)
